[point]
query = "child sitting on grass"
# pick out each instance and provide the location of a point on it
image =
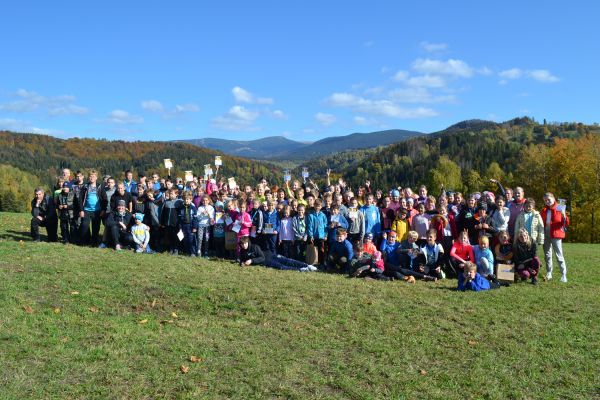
(527, 264)
(473, 280)
(340, 253)
(141, 235)
(484, 258)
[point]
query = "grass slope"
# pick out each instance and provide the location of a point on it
(71, 327)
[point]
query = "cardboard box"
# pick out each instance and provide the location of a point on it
(506, 272)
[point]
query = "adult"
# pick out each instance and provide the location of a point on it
(118, 224)
(129, 183)
(89, 209)
(555, 224)
(43, 213)
(516, 207)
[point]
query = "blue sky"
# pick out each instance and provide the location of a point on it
(156, 70)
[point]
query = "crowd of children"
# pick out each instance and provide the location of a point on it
(394, 235)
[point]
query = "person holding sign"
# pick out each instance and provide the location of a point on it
(270, 228)
(555, 225)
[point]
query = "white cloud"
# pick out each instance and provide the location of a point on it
(434, 47)
(243, 96)
(450, 67)
(186, 108)
(431, 81)
(418, 95)
(400, 76)
(325, 119)
(385, 108)
(485, 71)
(16, 125)
(123, 117)
(154, 106)
(543, 75)
(513, 73)
(278, 114)
(30, 101)
(358, 120)
(238, 118)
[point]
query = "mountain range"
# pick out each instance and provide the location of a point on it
(282, 148)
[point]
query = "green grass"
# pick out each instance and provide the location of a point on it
(263, 333)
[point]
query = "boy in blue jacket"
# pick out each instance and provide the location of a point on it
(270, 227)
(473, 281)
(315, 229)
(372, 217)
(336, 220)
(340, 253)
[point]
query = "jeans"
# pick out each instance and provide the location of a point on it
(556, 245)
(93, 218)
(285, 263)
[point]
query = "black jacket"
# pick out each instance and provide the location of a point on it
(254, 253)
(114, 219)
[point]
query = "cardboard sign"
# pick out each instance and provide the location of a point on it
(189, 176)
(230, 240)
(305, 172)
(218, 161)
(287, 176)
(168, 163)
(312, 254)
(208, 170)
(268, 229)
(562, 205)
(506, 272)
(231, 182)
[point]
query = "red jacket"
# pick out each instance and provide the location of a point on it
(558, 223)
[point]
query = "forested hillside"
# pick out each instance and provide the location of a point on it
(44, 156)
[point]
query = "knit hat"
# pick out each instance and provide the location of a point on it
(395, 193)
(121, 203)
(139, 216)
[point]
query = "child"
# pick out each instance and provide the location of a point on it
(500, 216)
(315, 230)
(356, 222)
(270, 228)
(152, 218)
(340, 253)
(169, 221)
(361, 261)
(484, 258)
(484, 222)
(504, 249)
(336, 221)
(460, 254)
(374, 270)
(64, 202)
(219, 230)
(299, 227)
(527, 264)
(369, 246)
(431, 256)
(372, 216)
(555, 226)
(401, 225)
(472, 280)
(256, 213)
(205, 215)
(250, 253)
(286, 232)
(420, 223)
(389, 250)
(532, 221)
(141, 235)
(188, 224)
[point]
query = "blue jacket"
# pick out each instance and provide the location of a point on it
(478, 284)
(331, 232)
(479, 253)
(389, 251)
(271, 218)
(315, 225)
(372, 219)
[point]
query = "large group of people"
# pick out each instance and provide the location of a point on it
(388, 234)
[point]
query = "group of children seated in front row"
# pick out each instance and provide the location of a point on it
(383, 237)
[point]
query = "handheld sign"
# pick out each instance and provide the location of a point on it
(562, 205)
(287, 176)
(232, 183)
(168, 163)
(189, 176)
(208, 169)
(218, 161)
(304, 172)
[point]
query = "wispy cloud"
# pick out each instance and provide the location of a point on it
(543, 75)
(434, 47)
(419, 95)
(385, 107)
(450, 67)
(122, 117)
(156, 107)
(15, 125)
(243, 96)
(325, 119)
(540, 75)
(30, 101)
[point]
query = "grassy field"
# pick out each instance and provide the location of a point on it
(81, 323)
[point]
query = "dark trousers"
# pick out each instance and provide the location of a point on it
(170, 238)
(49, 224)
(89, 218)
(286, 248)
(67, 229)
(119, 236)
(338, 263)
(320, 245)
(219, 243)
(285, 263)
(270, 243)
(189, 239)
(300, 250)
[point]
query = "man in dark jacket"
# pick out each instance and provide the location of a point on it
(118, 224)
(250, 254)
(43, 213)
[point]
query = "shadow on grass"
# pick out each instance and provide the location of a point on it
(18, 235)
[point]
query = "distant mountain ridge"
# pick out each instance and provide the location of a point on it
(282, 148)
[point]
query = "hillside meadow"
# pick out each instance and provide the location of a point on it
(83, 323)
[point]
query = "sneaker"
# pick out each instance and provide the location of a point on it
(563, 278)
(102, 246)
(442, 274)
(304, 269)
(549, 276)
(430, 278)
(117, 247)
(312, 268)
